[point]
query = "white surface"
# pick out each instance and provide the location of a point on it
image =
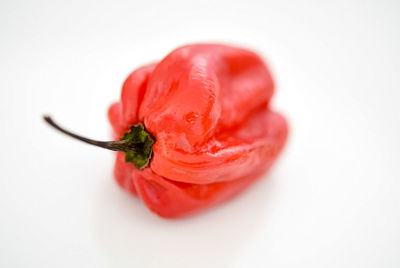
(332, 200)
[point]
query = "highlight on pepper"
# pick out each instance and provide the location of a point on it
(194, 129)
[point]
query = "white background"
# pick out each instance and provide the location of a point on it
(332, 200)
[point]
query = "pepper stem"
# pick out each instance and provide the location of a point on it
(137, 143)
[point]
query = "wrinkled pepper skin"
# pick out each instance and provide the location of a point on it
(208, 108)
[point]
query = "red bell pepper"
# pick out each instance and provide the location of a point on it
(194, 129)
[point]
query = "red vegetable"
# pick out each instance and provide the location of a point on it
(197, 127)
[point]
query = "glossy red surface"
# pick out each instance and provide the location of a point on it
(208, 108)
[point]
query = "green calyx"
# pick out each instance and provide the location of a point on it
(137, 143)
(139, 146)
